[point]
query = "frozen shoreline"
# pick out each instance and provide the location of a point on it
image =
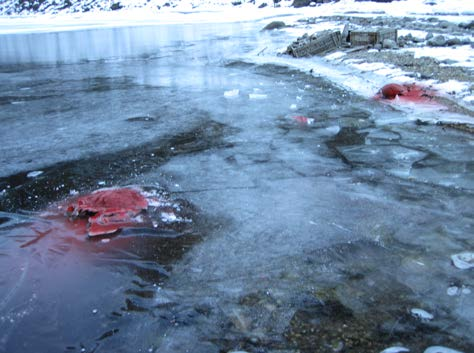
(365, 78)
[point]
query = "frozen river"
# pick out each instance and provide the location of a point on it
(320, 221)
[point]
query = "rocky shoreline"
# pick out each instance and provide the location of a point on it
(439, 34)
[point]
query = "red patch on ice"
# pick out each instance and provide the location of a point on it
(109, 210)
(406, 93)
(303, 120)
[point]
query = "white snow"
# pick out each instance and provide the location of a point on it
(462, 55)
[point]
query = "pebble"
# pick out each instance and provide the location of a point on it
(274, 25)
(463, 260)
(437, 41)
(453, 41)
(451, 291)
(440, 349)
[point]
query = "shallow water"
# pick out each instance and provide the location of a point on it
(304, 237)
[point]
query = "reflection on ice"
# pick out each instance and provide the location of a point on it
(57, 277)
(110, 43)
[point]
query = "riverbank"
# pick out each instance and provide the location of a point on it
(435, 47)
(431, 51)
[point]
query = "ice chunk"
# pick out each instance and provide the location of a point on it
(464, 260)
(395, 349)
(34, 174)
(421, 314)
(258, 96)
(440, 349)
(333, 129)
(232, 93)
(168, 217)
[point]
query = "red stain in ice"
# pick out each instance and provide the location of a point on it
(303, 119)
(406, 93)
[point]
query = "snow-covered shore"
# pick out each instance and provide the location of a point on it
(366, 77)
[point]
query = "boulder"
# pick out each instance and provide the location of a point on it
(301, 3)
(453, 41)
(274, 25)
(389, 44)
(469, 25)
(437, 41)
(116, 6)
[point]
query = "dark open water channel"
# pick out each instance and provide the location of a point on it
(322, 237)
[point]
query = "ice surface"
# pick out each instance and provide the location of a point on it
(361, 209)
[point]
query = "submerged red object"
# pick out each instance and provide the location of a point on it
(109, 210)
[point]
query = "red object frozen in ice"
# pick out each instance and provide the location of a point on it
(406, 93)
(108, 200)
(392, 90)
(109, 210)
(303, 120)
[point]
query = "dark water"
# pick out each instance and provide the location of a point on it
(303, 237)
